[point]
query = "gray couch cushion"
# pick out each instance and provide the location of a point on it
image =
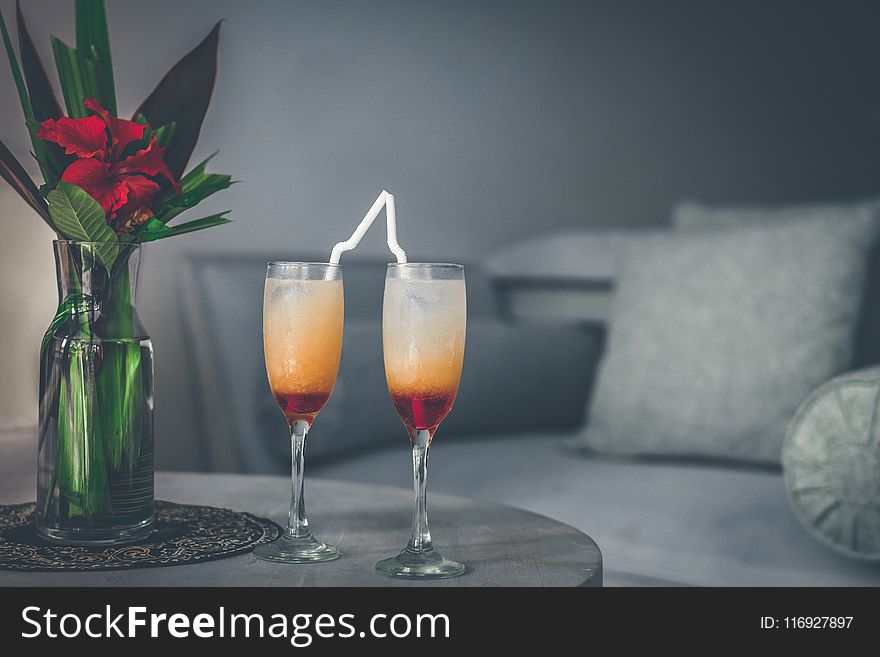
(831, 460)
(717, 336)
(695, 215)
(654, 522)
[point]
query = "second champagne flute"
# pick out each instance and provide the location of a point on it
(424, 320)
(302, 340)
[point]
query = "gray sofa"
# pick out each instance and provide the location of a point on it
(534, 340)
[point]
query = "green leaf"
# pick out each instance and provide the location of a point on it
(93, 44)
(182, 97)
(198, 170)
(13, 173)
(42, 96)
(120, 398)
(193, 195)
(154, 229)
(119, 381)
(197, 176)
(195, 187)
(24, 98)
(165, 135)
(53, 161)
(78, 75)
(80, 464)
(80, 217)
(16, 71)
(67, 64)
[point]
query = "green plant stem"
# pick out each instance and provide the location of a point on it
(98, 411)
(119, 381)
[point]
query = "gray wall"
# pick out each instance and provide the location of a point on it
(489, 120)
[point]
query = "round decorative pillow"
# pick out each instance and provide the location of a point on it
(831, 462)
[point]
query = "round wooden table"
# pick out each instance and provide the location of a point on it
(501, 545)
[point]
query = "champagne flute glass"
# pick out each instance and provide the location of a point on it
(302, 341)
(423, 329)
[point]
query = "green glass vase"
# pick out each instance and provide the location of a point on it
(95, 445)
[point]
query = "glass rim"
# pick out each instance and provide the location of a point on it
(92, 243)
(426, 265)
(294, 263)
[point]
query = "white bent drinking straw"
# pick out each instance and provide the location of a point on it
(385, 200)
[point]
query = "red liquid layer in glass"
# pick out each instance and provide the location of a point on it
(422, 410)
(301, 405)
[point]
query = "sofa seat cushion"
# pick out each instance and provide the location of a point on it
(656, 522)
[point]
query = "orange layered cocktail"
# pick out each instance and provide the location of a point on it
(423, 334)
(302, 337)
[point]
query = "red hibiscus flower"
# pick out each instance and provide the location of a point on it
(124, 186)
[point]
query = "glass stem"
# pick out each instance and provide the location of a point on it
(421, 535)
(297, 523)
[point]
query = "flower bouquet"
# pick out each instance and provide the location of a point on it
(109, 184)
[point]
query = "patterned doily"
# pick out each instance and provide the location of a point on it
(182, 534)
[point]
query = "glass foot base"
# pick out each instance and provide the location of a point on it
(413, 564)
(286, 549)
(97, 537)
